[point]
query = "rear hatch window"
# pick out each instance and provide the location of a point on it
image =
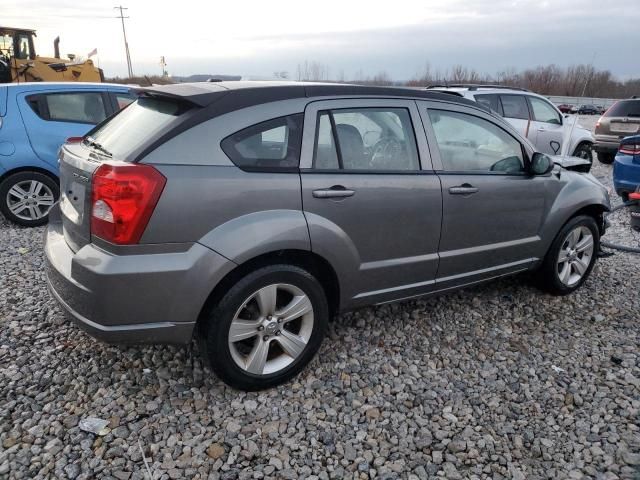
(136, 126)
(624, 108)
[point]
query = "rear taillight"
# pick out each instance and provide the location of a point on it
(630, 149)
(73, 140)
(122, 200)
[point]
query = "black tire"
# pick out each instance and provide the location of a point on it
(16, 178)
(606, 158)
(584, 150)
(217, 322)
(547, 276)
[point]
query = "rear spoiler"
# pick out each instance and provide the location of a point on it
(198, 96)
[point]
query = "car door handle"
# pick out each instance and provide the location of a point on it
(337, 191)
(542, 129)
(464, 189)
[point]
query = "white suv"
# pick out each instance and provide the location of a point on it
(535, 117)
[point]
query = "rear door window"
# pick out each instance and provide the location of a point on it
(366, 139)
(491, 101)
(624, 108)
(515, 106)
(274, 144)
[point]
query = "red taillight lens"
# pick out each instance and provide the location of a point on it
(74, 140)
(634, 196)
(122, 200)
(630, 149)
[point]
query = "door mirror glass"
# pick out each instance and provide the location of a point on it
(541, 164)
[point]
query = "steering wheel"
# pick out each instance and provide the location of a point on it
(386, 153)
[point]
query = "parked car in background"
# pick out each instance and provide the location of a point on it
(535, 117)
(621, 120)
(626, 167)
(246, 212)
(566, 108)
(35, 120)
(588, 110)
(600, 109)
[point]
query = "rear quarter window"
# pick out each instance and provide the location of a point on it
(271, 145)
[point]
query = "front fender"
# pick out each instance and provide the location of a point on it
(254, 234)
(577, 191)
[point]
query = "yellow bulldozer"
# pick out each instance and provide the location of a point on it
(19, 62)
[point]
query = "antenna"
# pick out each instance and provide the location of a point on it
(126, 44)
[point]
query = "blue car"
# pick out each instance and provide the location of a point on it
(35, 119)
(626, 167)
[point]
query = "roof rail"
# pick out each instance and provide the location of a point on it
(476, 86)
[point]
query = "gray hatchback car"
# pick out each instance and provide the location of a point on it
(248, 214)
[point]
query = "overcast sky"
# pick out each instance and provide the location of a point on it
(256, 38)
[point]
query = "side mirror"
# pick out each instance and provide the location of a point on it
(541, 164)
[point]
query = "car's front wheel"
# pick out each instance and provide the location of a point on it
(266, 328)
(26, 197)
(571, 257)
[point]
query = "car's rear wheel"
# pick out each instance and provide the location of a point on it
(606, 158)
(571, 257)
(26, 197)
(266, 328)
(584, 151)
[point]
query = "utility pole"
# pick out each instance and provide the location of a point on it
(126, 44)
(163, 65)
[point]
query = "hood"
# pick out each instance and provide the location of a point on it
(572, 163)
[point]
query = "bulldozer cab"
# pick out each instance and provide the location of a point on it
(19, 62)
(14, 43)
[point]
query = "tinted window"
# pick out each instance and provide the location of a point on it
(136, 125)
(75, 107)
(491, 101)
(624, 108)
(515, 106)
(366, 139)
(544, 112)
(469, 143)
(271, 144)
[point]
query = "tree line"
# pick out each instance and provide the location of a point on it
(574, 81)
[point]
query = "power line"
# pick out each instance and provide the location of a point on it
(126, 44)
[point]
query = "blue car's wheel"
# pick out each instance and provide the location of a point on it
(27, 197)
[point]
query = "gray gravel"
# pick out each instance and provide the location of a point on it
(497, 381)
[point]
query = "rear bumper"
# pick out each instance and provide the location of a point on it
(147, 298)
(606, 147)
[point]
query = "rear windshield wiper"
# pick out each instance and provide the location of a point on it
(92, 143)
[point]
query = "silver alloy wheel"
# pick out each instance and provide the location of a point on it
(30, 200)
(575, 255)
(271, 329)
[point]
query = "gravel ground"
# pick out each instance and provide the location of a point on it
(497, 381)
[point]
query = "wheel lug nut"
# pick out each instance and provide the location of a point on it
(265, 338)
(278, 333)
(279, 320)
(260, 328)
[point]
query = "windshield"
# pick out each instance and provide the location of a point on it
(122, 135)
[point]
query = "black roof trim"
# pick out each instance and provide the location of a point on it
(228, 98)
